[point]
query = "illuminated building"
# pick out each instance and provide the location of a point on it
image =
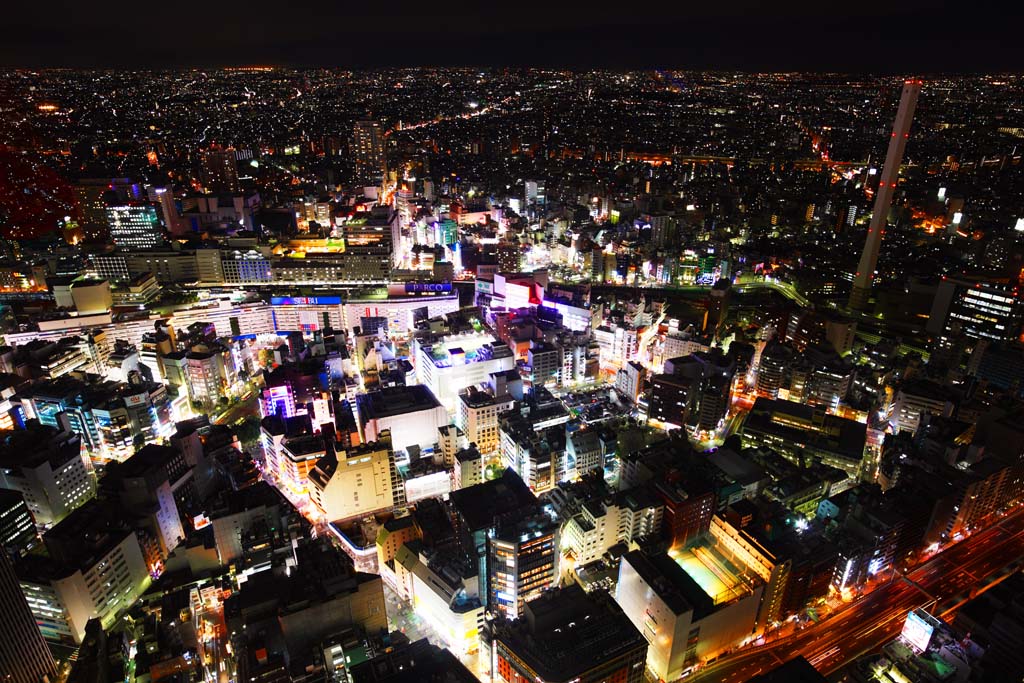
(164, 197)
(165, 265)
(17, 277)
(544, 361)
(662, 227)
(211, 372)
(143, 485)
(251, 267)
(914, 399)
(625, 517)
(368, 152)
(522, 562)
(478, 417)
(24, 655)
(683, 343)
(569, 635)
(357, 265)
(291, 445)
(46, 466)
(773, 369)
(479, 509)
(583, 452)
(694, 391)
(977, 309)
(689, 608)
(17, 528)
(576, 316)
(518, 290)
(141, 412)
(289, 389)
(411, 413)
(89, 193)
(95, 569)
(443, 590)
(218, 170)
(467, 468)
(670, 399)
(358, 481)
(535, 195)
(400, 309)
(448, 364)
(392, 535)
(134, 226)
(801, 433)
(534, 451)
(861, 291)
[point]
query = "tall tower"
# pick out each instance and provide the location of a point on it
(890, 175)
(368, 151)
(24, 656)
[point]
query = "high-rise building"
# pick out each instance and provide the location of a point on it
(368, 152)
(883, 199)
(96, 568)
(522, 563)
(46, 466)
(17, 528)
(93, 195)
(24, 656)
(135, 226)
(977, 309)
(535, 193)
(478, 416)
(164, 198)
(604, 645)
(218, 171)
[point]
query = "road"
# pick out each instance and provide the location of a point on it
(239, 411)
(868, 623)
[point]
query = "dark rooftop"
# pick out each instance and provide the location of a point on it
(567, 632)
(392, 401)
(481, 504)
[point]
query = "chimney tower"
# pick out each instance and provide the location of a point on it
(883, 199)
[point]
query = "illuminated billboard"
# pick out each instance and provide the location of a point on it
(305, 300)
(404, 289)
(416, 287)
(917, 631)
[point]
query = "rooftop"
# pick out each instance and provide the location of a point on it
(565, 633)
(802, 424)
(392, 401)
(481, 504)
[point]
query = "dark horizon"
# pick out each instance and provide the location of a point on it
(916, 37)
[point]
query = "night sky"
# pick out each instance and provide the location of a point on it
(853, 36)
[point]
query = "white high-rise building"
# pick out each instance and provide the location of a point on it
(449, 364)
